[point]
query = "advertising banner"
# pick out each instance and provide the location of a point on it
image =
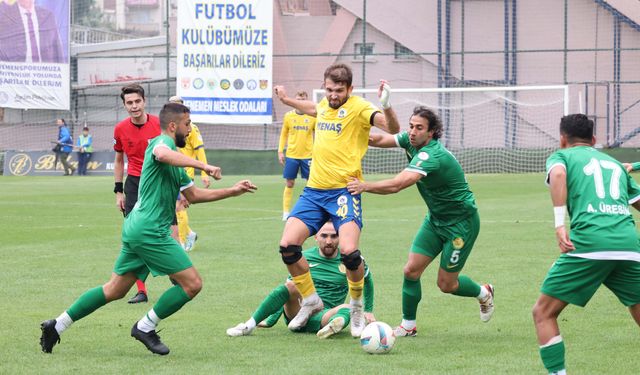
(44, 163)
(34, 54)
(224, 60)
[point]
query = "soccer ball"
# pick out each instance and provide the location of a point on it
(377, 338)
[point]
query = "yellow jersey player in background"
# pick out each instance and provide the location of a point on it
(194, 149)
(343, 123)
(297, 136)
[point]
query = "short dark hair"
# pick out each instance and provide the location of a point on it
(133, 88)
(171, 112)
(432, 119)
(339, 73)
(576, 127)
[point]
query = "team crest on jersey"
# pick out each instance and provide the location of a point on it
(342, 268)
(423, 156)
(342, 200)
(458, 243)
(342, 112)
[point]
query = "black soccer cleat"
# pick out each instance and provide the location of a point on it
(50, 336)
(139, 298)
(150, 339)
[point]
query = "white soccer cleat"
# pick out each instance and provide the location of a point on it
(400, 331)
(486, 305)
(239, 330)
(285, 216)
(357, 318)
(190, 241)
(334, 326)
(309, 306)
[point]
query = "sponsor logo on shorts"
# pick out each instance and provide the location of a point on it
(342, 200)
(458, 243)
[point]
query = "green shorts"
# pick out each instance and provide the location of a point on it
(575, 280)
(455, 241)
(313, 325)
(160, 255)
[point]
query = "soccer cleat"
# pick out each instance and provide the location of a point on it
(309, 306)
(357, 318)
(190, 242)
(285, 216)
(400, 331)
(334, 326)
(50, 336)
(139, 298)
(486, 305)
(150, 339)
(239, 330)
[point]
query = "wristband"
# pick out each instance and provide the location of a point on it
(559, 214)
(119, 188)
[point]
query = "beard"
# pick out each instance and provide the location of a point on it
(340, 103)
(180, 140)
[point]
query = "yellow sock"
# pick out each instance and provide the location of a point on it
(304, 284)
(286, 199)
(355, 288)
(183, 225)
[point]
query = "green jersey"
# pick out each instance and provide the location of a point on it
(330, 278)
(443, 188)
(599, 191)
(160, 184)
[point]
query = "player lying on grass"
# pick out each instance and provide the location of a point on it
(602, 246)
(328, 274)
(147, 245)
(452, 224)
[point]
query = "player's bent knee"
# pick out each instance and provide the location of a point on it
(352, 261)
(447, 287)
(291, 254)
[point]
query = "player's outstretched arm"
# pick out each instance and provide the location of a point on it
(166, 155)
(382, 140)
(389, 121)
(307, 107)
(401, 181)
(198, 195)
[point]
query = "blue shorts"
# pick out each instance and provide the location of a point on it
(291, 167)
(317, 206)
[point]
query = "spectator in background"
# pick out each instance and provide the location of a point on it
(29, 33)
(64, 146)
(85, 149)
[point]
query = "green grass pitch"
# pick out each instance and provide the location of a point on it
(60, 237)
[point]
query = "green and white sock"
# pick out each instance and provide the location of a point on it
(149, 322)
(171, 301)
(63, 322)
(411, 296)
(272, 303)
(552, 355)
(467, 287)
(88, 302)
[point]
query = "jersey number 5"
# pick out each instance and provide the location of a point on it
(594, 168)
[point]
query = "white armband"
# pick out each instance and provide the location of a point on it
(559, 213)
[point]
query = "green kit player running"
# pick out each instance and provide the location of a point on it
(330, 278)
(602, 245)
(147, 245)
(450, 228)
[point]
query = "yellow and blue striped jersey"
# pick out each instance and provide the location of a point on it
(297, 135)
(341, 141)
